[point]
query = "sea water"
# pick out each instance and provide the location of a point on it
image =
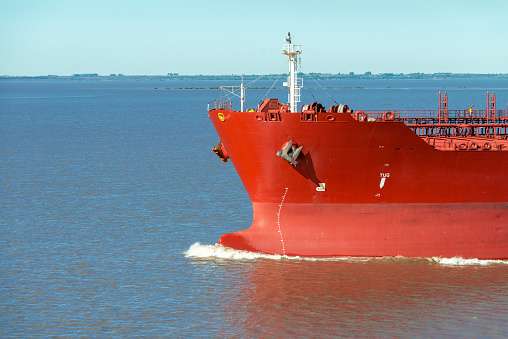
(112, 203)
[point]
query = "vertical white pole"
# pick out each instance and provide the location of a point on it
(292, 52)
(242, 95)
(292, 83)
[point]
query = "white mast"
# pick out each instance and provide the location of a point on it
(294, 84)
(242, 95)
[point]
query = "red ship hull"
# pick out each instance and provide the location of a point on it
(386, 191)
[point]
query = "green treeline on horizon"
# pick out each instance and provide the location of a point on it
(317, 76)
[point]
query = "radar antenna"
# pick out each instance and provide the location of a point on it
(288, 38)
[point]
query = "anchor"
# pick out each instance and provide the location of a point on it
(290, 152)
(221, 152)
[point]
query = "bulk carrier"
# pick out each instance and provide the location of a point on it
(342, 182)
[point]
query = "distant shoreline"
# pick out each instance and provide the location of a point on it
(317, 76)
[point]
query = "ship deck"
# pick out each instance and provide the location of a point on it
(443, 129)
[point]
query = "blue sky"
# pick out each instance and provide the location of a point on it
(40, 37)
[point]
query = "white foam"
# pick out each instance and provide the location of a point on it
(458, 261)
(197, 250)
(218, 251)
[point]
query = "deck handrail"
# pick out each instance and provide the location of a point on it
(225, 105)
(433, 115)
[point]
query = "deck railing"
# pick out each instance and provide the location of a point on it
(481, 123)
(220, 105)
(435, 116)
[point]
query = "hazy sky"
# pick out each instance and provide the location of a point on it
(40, 37)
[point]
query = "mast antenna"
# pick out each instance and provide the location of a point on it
(294, 84)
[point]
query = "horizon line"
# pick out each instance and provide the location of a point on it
(176, 75)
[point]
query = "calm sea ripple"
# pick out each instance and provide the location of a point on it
(111, 203)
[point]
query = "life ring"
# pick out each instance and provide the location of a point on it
(462, 146)
(221, 116)
(486, 146)
(473, 146)
(360, 116)
(389, 116)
